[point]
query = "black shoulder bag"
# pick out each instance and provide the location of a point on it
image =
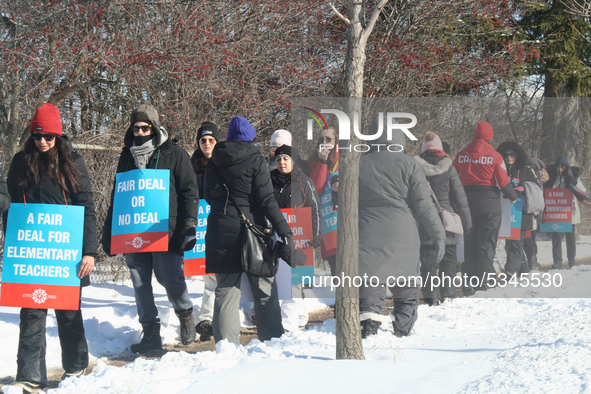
(259, 254)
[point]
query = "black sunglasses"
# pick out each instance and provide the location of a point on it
(136, 129)
(46, 137)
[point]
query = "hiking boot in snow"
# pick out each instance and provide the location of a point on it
(29, 387)
(76, 374)
(187, 326)
(369, 327)
(150, 339)
(432, 301)
(557, 266)
(205, 330)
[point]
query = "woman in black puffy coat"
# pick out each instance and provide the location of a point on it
(237, 169)
(519, 173)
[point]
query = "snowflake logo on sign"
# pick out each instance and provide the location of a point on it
(555, 226)
(137, 242)
(39, 296)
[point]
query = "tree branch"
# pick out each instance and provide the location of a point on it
(339, 15)
(375, 14)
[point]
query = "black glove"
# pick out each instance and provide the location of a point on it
(189, 240)
(439, 251)
(285, 247)
(568, 179)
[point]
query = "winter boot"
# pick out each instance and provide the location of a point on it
(150, 339)
(29, 387)
(205, 330)
(187, 326)
(369, 327)
(76, 374)
(398, 332)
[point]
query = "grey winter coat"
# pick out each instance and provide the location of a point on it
(448, 189)
(393, 194)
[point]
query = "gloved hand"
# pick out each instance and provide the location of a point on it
(189, 240)
(285, 247)
(568, 179)
(439, 250)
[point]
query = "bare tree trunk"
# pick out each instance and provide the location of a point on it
(348, 328)
(563, 131)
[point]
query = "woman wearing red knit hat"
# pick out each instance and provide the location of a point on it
(48, 172)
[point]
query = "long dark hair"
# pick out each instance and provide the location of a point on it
(56, 162)
(200, 159)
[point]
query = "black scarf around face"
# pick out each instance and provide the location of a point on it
(142, 139)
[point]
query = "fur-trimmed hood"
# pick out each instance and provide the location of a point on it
(521, 160)
(432, 169)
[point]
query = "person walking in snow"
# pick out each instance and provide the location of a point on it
(293, 189)
(207, 137)
(482, 174)
(530, 247)
(519, 173)
(238, 176)
(393, 195)
(48, 171)
(324, 165)
(148, 146)
(563, 176)
(447, 188)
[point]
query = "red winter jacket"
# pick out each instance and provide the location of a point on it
(480, 164)
(481, 172)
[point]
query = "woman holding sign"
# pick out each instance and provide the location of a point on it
(293, 189)
(207, 137)
(47, 171)
(519, 172)
(324, 166)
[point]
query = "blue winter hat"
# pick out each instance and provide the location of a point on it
(240, 129)
(562, 160)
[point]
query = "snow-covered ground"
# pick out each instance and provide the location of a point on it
(471, 345)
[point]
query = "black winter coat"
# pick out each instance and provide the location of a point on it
(49, 191)
(520, 173)
(240, 166)
(199, 173)
(4, 196)
(297, 190)
(448, 189)
(183, 203)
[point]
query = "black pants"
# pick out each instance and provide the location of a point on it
(446, 270)
(332, 263)
(530, 247)
(32, 344)
(406, 304)
(516, 261)
(571, 248)
(481, 244)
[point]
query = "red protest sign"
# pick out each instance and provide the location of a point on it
(559, 205)
(300, 221)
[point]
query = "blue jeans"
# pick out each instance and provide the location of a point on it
(168, 268)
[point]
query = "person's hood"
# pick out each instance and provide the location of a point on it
(146, 113)
(521, 159)
(432, 169)
(536, 164)
(561, 160)
(228, 153)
